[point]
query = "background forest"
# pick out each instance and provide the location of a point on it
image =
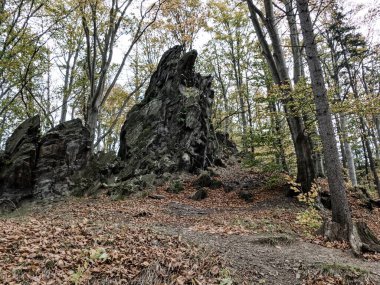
(92, 59)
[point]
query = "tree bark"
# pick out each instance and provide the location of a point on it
(280, 75)
(340, 209)
(294, 40)
(69, 80)
(340, 139)
(348, 152)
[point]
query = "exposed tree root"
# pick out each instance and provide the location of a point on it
(333, 231)
(366, 198)
(361, 238)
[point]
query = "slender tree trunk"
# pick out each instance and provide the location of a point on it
(341, 141)
(366, 164)
(340, 209)
(98, 135)
(277, 126)
(48, 91)
(239, 87)
(226, 110)
(277, 66)
(365, 132)
(377, 124)
(372, 163)
(375, 141)
(294, 40)
(281, 160)
(220, 78)
(69, 80)
(348, 151)
(250, 116)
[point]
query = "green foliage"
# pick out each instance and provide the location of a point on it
(310, 197)
(310, 218)
(93, 256)
(175, 186)
(98, 254)
(76, 277)
(275, 180)
(225, 278)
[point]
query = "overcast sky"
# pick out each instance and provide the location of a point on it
(365, 20)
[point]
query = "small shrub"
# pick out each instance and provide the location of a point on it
(77, 277)
(225, 277)
(175, 187)
(94, 255)
(310, 198)
(310, 218)
(274, 181)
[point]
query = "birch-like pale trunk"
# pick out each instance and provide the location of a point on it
(348, 152)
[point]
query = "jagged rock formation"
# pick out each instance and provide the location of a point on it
(37, 166)
(171, 130)
(62, 150)
(19, 161)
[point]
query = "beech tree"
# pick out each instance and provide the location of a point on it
(276, 62)
(341, 227)
(340, 210)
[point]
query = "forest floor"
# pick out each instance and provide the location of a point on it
(175, 240)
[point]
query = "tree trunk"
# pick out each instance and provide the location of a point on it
(375, 141)
(276, 123)
(341, 215)
(348, 152)
(250, 116)
(280, 75)
(341, 141)
(66, 94)
(91, 122)
(294, 40)
(69, 80)
(372, 163)
(377, 124)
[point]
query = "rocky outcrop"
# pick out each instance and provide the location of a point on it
(171, 130)
(226, 145)
(19, 160)
(62, 151)
(38, 166)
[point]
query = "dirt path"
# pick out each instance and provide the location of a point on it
(272, 259)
